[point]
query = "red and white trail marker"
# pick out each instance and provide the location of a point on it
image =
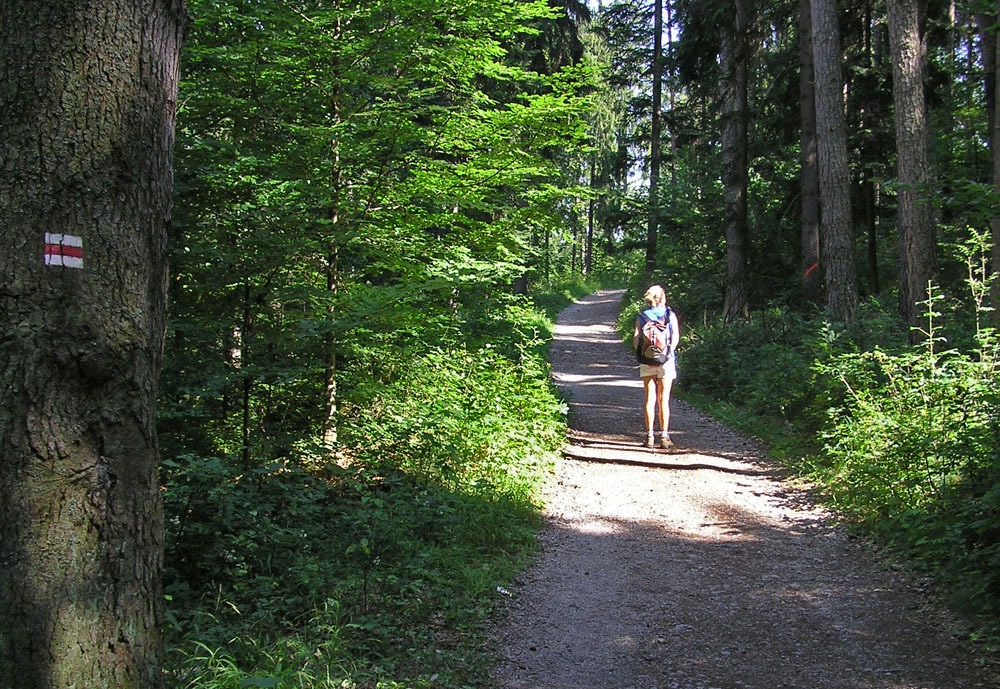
(63, 250)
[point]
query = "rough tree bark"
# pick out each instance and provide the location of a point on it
(837, 247)
(915, 212)
(735, 175)
(991, 58)
(87, 99)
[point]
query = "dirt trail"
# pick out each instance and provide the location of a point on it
(701, 568)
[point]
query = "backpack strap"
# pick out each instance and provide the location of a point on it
(670, 328)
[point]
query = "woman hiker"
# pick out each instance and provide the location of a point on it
(657, 367)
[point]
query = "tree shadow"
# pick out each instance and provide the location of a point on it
(596, 374)
(730, 597)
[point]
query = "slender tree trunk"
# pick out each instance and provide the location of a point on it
(988, 54)
(579, 239)
(330, 400)
(809, 176)
(588, 261)
(995, 155)
(734, 162)
(916, 215)
(837, 247)
(654, 142)
(546, 242)
(330, 426)
(246, 378)
(87, 100)
(993, 99)
(869, 185)
(671, 102)
(869, 200)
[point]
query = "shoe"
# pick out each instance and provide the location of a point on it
(649, 441)
(666, 443)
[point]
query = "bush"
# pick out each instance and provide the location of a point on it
(461, 418)
(380, 570)
(912, 454)
(764, 367)
(902, 440)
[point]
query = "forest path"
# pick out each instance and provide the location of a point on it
(701, 568)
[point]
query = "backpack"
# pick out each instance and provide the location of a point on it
(654, 340)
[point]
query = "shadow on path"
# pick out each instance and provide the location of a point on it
(598, 375)
(697, 569)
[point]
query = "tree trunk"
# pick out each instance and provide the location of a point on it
(332, 258)
(734, 162)
(330, 397)
(915, 213)
(245, 375)
(869, 199)
(87, 103)
(654, 142)
(869, 183)
(993, 97)
(985, 25)
(837, 246)
(588, 249)
(809, 175)
(995, 153)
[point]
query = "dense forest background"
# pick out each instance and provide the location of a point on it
(380, 206)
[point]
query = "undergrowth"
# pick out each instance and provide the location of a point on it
(901, 439)
(381, 569)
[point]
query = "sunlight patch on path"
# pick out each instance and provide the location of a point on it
(584, 379)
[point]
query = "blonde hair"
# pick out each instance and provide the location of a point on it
(655, 296)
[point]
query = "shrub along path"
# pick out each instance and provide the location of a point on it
(703, 567)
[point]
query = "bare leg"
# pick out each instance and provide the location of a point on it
(663, 401)
(649, 411)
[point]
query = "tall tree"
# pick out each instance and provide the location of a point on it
(735, 174)
(87, 100)
(990, 33)
(336, 232)
(655, 129)
(622, 121)
(870, 110)
(995, 153)
(837, 246)
(915, 214)
(809, 170)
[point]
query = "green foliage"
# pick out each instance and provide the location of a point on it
(457, 414)
(351, 179)
(912, 453)
(304, 573)
(359, 184)
(909, 434)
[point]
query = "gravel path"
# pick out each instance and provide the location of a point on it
(702, 568)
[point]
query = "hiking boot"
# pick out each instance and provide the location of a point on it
(649, 441)
(666, 443)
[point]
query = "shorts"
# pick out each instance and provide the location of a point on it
(667, 371)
